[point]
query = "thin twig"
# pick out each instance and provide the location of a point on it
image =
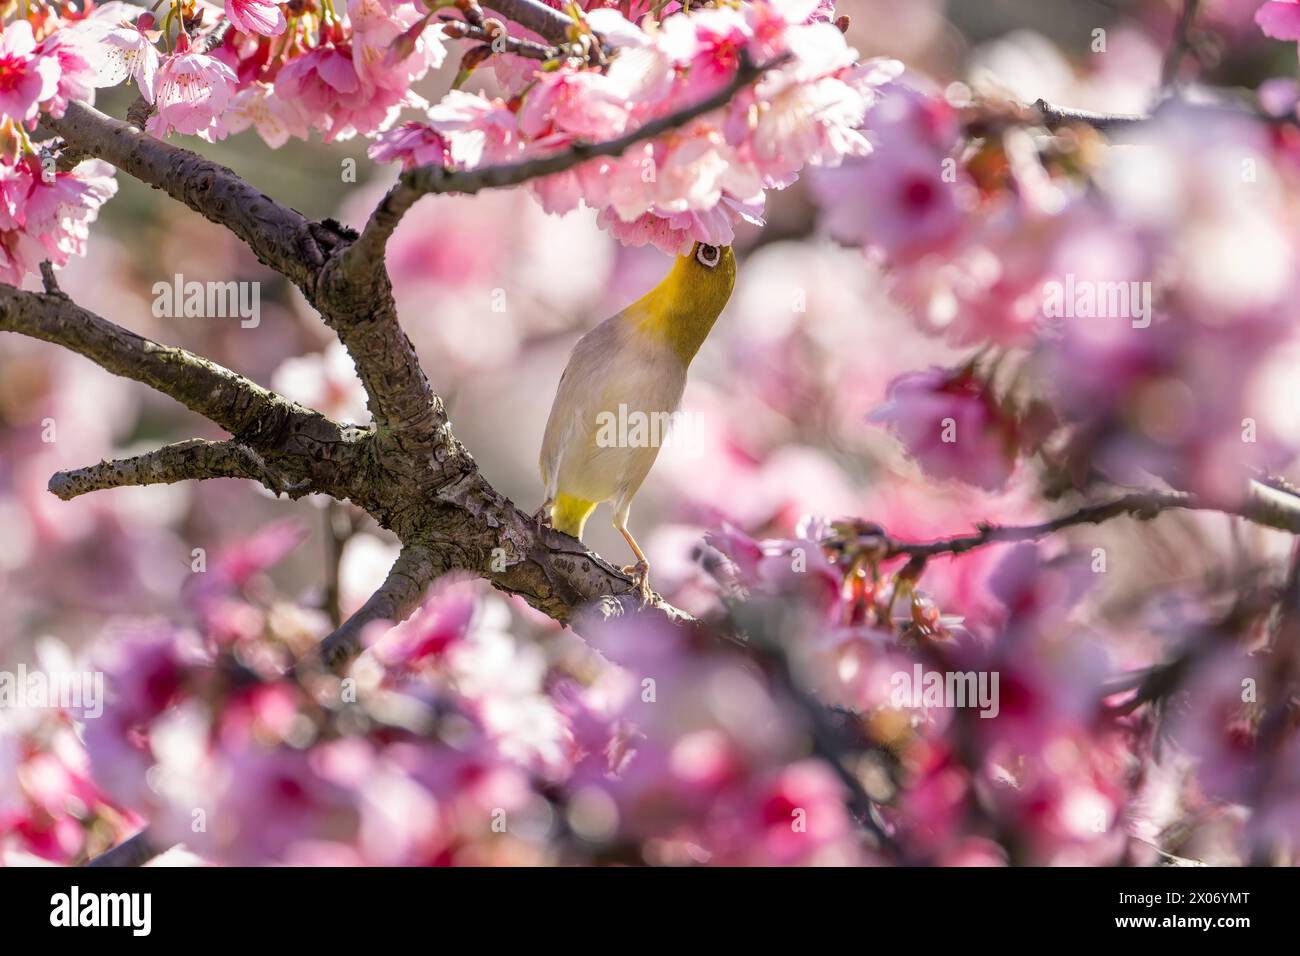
(457, 29)
(48, 279)
(1054, 117)
(1179, 47)
(338, 531)
(424, 180)
(1266, 506)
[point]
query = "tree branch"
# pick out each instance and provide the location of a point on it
(1263, 505)
(359, 307)
(192, 459)
(308, 450)
(235, 403)
(133, 851)
(1054, 117)
(281, 237)
(48, 280)
(546, 22)
(400, 594)
(457, 29)
(1179, 47)
(410, 473)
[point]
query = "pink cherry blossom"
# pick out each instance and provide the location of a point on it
(256, 16)
(697, 183)
(952, 426)
(478, 130)
(193, 90)
(275, 118)
(376, 27)
(326, 83)
(75, 54)
(412, 144)
(1280, 19)
(46, 216)
(28, 77)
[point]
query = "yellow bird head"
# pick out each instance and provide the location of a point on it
(681, 310)
(711, 270)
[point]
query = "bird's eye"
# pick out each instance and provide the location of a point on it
(707, 255)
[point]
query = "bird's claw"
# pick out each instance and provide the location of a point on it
(640, 575)
(542, 516)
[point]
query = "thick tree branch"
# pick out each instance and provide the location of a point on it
(232, 401)
(359, 307)
(359, 310)
(282, 238)
(306, 449)
(401, 593)
(133, 851)
(193, 459)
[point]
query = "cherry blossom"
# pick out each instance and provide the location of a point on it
(193, 90)
(953, 426)
(27, 77)
(256, 16)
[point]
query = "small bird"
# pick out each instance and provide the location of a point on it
(636, 359)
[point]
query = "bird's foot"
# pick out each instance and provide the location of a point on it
(640, 574)
(542, 516)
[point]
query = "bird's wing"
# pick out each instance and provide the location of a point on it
(580, 391)
(612, 366)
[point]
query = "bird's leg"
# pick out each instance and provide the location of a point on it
(640, 571)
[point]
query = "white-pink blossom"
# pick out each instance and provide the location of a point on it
(193, 90)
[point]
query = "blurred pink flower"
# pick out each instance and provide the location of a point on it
(270, 805)
(275, 118)
(444, 619)
(326, 381)
(909, 197)
(1280, 19)
(143, 673)
(952, 425)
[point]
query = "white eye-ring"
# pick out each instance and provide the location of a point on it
(707, 255)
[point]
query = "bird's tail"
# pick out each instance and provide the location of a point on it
(570, 514)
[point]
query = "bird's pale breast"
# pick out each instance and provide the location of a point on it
(593, 449)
